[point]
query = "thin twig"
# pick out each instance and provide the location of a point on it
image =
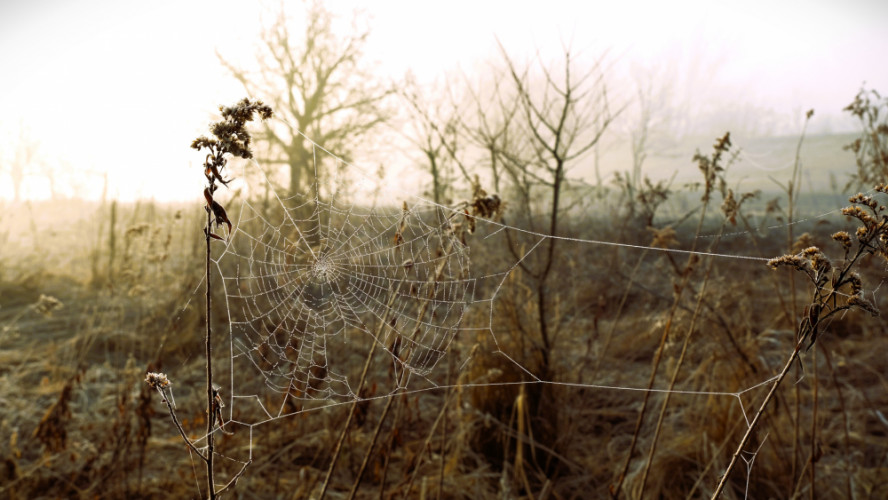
(792, 190)
(442, 416)
(401, 377)
(348, 420)
(180, 429)
(369, 453)
(684, 349)
(846, 442)
(658, 356)
(234, 479)
(755, 420)
(211, 420)
(814, 452)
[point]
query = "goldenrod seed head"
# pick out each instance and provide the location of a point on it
(157, 380)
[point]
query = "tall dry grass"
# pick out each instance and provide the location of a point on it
(77, 421)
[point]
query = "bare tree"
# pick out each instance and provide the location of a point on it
(650, 111)
(435, 131)
(318, 87)
(557, 119)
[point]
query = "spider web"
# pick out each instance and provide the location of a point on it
(318, 286)
(312, 283)
(304, 278)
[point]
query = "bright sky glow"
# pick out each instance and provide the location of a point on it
(122, 88)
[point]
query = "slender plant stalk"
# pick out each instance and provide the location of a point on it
(401, 378)
(369, 453)
(178, 424)
(816, 266)
(630, 282)
(657, 357)
(427, 445)
(792, 190)
(710, 167)
(847, 440)
(755, 420)
(684, 349)
(211, 414)
(354, 405)
(387, 456)
(814, 456)
(659, 354)
(230, 138)
(450, 393)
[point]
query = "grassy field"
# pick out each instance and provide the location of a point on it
(651, 365)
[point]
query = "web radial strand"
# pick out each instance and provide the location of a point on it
(305, 275)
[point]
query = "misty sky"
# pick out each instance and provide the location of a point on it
(123, 87)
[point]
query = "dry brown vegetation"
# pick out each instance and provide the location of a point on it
(622, 370)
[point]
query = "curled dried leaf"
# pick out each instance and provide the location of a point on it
(214, 170)
(219, 214)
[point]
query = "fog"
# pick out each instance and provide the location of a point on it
(108, 96)
(570, 247)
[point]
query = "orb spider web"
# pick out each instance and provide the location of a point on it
(304, 276)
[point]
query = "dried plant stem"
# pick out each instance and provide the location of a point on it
(354, 406)
(386, 455)
(179, 425)
(449, 397)
(755, 420)
(451, 394)
(792, 190)
(209, 353)
(814, 456)
(112, 233)
(657, 357)
(427, 445)
(401, 378)
(230, 139)
(712, 315)
(615, 492)
(797, 412)
(630, 283)
(369, 453)
(847, 440)
(684, 349)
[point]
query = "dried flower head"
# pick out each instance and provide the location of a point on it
(46, 304)
(231, 138)
(861, 302)
(844, 238)
(157, 380)
(484, 205)
(793, 261)
(731, 206)
(663, 238)
(855, 282)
